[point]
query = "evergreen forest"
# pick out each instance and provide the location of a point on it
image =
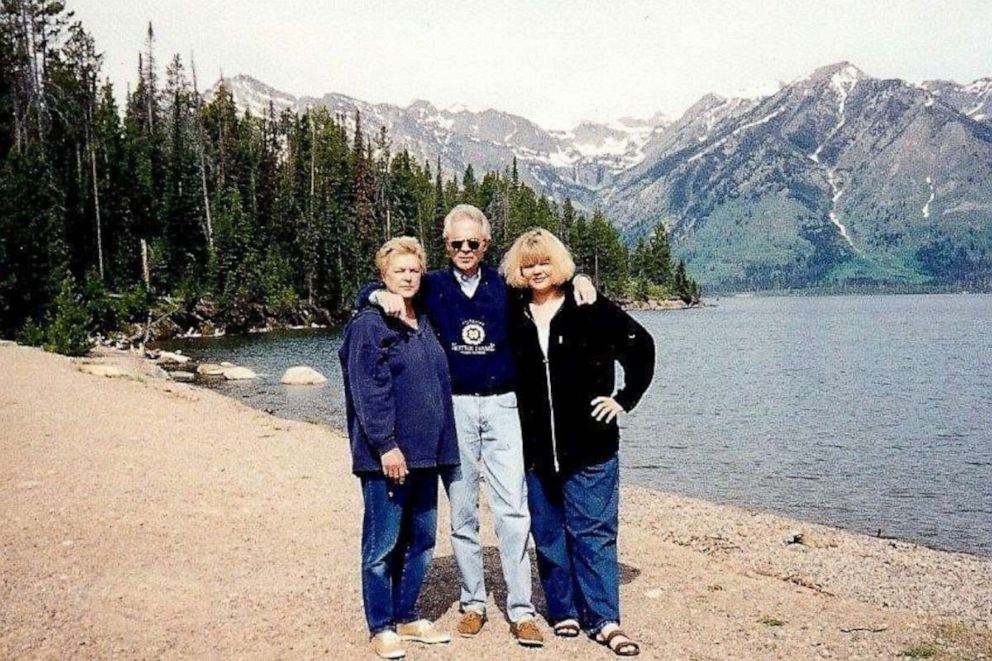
(111, 216)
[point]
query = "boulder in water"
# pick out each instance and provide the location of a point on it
(211, 369)
(302, 375)
(238, 374)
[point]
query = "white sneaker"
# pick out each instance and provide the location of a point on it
(422, 631)
(388, 645)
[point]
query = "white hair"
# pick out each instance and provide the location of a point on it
(467, 212)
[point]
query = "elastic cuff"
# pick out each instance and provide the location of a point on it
(386, 446)
(624, 402)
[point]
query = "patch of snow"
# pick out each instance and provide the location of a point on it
(842, 82)
(834, 218)
(606, 147)
(560, 159)
(740, 129)
(926, 207)
(980, 86)
(972, 113)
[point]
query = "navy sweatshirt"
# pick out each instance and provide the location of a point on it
(397, 393)
(472, 331)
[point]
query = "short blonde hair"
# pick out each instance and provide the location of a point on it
(400, 245)
(534, 246)
(467, 212)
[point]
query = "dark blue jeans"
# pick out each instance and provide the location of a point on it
(397, 545)
(574, 520)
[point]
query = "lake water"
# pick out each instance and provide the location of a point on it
(865, 412)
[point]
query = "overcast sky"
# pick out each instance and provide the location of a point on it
(553, 61)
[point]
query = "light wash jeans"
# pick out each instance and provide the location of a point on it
(489, 440)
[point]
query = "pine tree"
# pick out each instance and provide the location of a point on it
(185, 235)
(683, 288)
(435, 245)
(566, 221)
(656, 264)
(470, 188)
(68, 333)
(366, 232)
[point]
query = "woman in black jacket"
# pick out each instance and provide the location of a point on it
(568, 405)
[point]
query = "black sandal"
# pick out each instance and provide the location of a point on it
(621, 648)
(567, 628)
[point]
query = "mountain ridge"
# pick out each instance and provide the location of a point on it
(837, 177)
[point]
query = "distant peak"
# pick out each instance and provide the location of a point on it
(244, 80)
(655, 120)
(844, 69)
(426, 106)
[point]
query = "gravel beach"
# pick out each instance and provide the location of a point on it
(144, 518)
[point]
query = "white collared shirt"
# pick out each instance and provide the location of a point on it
(468, 283)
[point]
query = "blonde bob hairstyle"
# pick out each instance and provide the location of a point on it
(401, 245)
(532, 247)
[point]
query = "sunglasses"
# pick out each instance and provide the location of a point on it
(473, 244)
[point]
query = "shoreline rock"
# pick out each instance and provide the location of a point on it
(661, 304)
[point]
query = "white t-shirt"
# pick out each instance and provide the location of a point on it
(543, 324)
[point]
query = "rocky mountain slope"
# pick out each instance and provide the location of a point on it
(836, 178)
(560, 163)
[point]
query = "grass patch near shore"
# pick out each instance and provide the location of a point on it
(926, 650)
(770, 621)
(964, 641)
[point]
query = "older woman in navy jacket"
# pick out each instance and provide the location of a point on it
(568, 403)
(401, 427)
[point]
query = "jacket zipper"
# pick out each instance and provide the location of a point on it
(551, 402)
(551, 407)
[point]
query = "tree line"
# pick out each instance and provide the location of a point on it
(104, 211)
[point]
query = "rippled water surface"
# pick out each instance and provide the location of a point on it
(869, 413)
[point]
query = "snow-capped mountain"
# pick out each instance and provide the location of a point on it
(973, 100)
(560, 163)
(838, 177)
(835, 177)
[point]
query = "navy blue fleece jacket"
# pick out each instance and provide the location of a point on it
(397, 393)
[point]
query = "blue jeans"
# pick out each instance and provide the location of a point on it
(575, 521)
(489, 440)
(397, 545)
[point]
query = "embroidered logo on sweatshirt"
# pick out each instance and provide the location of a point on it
(473, 339)
(473, 333)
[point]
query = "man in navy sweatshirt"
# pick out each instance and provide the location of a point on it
(467, 305)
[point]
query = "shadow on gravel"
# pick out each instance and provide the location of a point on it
(442, 586)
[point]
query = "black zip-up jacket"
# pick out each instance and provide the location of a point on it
(583, 344)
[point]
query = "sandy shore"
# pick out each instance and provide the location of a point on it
(145, 518)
